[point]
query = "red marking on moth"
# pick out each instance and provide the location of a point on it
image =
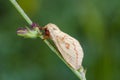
(57, 37)
(63, 38)
(67, 45)
(76, 53)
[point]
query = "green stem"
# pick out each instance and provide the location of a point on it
(20, 10)
(80, 74)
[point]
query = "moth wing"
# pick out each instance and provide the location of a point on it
(70, 49)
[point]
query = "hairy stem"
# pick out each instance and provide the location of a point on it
(80, 74)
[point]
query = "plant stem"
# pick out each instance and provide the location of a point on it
(80, 74)
(20, 10)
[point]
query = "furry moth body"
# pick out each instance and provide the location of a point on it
(69, 47)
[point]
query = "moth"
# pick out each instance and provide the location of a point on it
(69, 47)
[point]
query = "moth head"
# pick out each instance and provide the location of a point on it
(52, 27)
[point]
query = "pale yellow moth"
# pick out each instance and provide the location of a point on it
(68, 46)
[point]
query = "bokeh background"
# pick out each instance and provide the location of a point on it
(95, 23)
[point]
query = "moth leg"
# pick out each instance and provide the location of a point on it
(45, 37)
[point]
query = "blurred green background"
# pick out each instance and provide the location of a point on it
(95, 23)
